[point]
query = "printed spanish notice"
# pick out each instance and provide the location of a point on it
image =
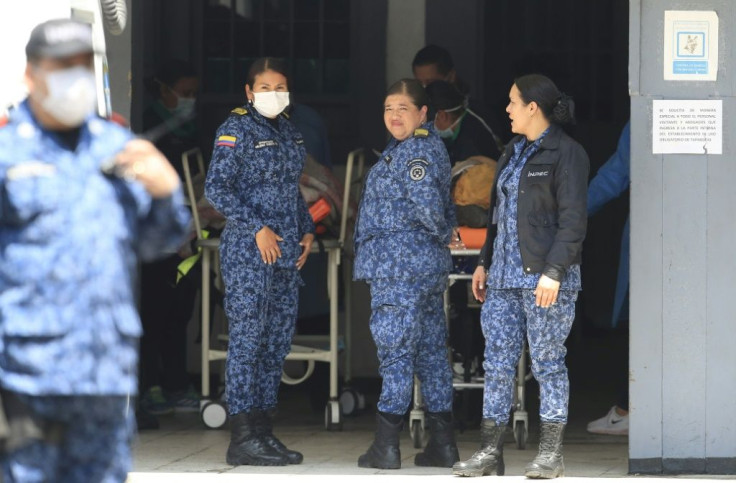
(687, 127)
(690, 45)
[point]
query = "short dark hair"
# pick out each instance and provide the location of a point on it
(434, 54)
(168, 73)
(556, 106)
(443, 95)
(173, 70)
(412, 88)
(259, 66)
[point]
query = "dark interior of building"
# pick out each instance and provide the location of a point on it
(336, 50)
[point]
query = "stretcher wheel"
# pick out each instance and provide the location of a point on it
(333, 416)
(351, 401)
(521, 433)
(416, 429)
(213, 414)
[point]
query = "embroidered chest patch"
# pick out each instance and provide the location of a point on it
(266, 143)
(417, 169)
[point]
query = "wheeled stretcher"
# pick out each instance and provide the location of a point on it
(212, 410)
(520, 418)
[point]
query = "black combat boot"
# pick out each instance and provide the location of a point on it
(441, 448)
(247, 448)
(548, 463)
(384, 453)
(489, 458)
(264, 429)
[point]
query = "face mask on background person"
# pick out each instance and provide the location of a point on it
(446, 133)
(184, 106)
(270, 104)
(71, 97)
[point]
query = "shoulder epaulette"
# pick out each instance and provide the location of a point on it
(241, 111)
(421, 133)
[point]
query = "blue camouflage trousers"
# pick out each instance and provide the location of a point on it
(261, 303)
(94, 446)
(409, 329)
(507, 317)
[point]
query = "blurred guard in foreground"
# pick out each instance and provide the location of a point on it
(70, 237)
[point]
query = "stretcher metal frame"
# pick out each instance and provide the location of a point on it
(213, 411)
(520, 418)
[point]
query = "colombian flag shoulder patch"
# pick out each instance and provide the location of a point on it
(227, 141)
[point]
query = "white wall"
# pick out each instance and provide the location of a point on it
(683, 271)
(17, 19)
(404, 37)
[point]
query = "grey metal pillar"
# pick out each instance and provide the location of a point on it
(683, 264)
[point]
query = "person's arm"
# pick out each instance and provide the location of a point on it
(220, 183)
(613, 177)
(162, 216)
(304, 218)
(422, 180)
(486, 252)
(571, 179)
(165, 227)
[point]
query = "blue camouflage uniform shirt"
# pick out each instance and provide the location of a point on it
(406, 215)
(69, 242)
(253, 181)
(506, 270)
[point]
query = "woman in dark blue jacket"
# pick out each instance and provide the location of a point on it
(532, 254)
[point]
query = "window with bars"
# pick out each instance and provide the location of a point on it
(312, 35)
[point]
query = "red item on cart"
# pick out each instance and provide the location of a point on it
(472, 237)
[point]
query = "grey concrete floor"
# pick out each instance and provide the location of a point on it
(183, 445)
(183, 450)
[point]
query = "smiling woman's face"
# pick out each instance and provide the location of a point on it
(401, 116)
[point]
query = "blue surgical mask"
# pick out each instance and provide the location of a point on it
(446, 133)
(184, 106)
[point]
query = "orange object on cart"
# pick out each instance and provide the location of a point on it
(319, 210)
(472, 237)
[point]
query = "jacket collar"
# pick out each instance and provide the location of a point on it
(24, 119)
(552, 139)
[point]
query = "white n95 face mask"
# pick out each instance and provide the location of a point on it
(71, 95)
(270, 104)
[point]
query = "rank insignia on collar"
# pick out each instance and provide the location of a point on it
(241, 111)
(421, 133)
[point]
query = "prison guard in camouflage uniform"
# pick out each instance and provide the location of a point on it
(254, 181)
(510, 314)
(69, 241)
(404, 225)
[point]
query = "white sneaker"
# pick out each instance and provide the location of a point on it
(611, 423)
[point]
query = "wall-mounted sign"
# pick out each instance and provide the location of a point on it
(687, 127)
(690, 45)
